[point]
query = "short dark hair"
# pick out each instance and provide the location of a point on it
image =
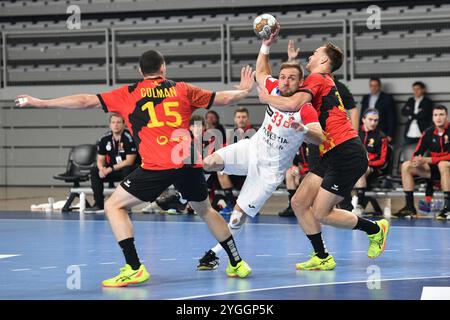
(115, 115)
(196, 118)
(375, 79)
(151, 61)
(293, 65)
(241, 109)
(420, 84)
(335, 55)
(441, 107)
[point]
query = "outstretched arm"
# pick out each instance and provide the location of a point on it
(79, 101)
(292, 103)
(224, 98)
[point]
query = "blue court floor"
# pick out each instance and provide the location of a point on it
(55, 256)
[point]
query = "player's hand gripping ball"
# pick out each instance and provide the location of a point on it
(264, 25)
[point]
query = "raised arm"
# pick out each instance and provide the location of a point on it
(292, 52)
(262, 62)
(224, 98)
(79, 101)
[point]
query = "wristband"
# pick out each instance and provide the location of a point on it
(264, 49)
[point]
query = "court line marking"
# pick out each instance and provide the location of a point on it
(359, 251)
(171, 259)
(112, 262)
(301, 286)
(52, 267)
(422, 249)
(263, 255)
(15, 270)
(200, 222)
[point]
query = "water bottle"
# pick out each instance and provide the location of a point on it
(82, 202)
(387, 209)
(49, 208)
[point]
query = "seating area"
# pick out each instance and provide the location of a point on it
(413, 39)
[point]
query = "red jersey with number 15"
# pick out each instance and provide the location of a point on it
(332, 115)
(157, 112)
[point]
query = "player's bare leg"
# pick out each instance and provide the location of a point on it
(302, 202)
(361, 187)
(116, 210)
(213, 162)
(409, 171)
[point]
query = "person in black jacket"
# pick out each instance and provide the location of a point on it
(377, 147)
(385, 105)
(436, 141)
(418, 109)
(116, 159)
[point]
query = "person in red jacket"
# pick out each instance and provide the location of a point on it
(376, 144)
(436, 166)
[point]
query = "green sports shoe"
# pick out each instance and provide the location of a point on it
(128, 276)
(315, 263)
(377, 242)
(242, 270)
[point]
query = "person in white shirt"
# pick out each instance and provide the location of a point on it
(418, 110)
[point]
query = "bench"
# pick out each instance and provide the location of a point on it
(81, 192)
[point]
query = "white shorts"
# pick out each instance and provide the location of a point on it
(241, 159)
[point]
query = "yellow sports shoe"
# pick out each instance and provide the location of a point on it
(377, 242)
(242, 270)
(128, 276)
(315, 263)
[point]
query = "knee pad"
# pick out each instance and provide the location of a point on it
(236, 220)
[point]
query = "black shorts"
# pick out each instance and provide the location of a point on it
(341, 167)
(435, 173)
(147, 185)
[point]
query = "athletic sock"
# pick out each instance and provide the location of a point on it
(229, 197)
(234, 232)
(409, 197)
(230, 247)
(367, 226)
(129, 251)
(291, 194)
(361, 193)
(446, 199)
(318, 245)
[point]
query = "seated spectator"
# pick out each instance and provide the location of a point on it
(376, 145)
(418, 109)
(212, 121)
(385, 105)
(242, 130)
(116, 158)
(295, 175)
(434, 140)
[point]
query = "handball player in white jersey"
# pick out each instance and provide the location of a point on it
(265, 157)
